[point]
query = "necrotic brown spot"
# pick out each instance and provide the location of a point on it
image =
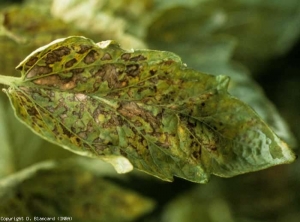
(131, 110)
(108, 73)
(77, 71)
(39, 70)
(132, 70)
(70, 63)
(65, 131)
(197, 154)
(152, 72)
(32, 111)
(106, 57)
(61, 51)
(31, 61)
(83, 49)
(126, 56)
(91, 57)
(52, 58)
(169, 62)
(68, 85)
(57, 54)
(138, 58)
(48, 80)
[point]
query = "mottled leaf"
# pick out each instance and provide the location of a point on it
(140, 108)
(17, 151)
(213, 54)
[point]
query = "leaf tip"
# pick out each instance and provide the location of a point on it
(121, 164)
(287, 152)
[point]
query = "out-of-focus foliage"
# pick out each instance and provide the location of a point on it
(262, 28)
(70, 187)
(247, 199)
(207, 35)
(23, 29)
(104, 18)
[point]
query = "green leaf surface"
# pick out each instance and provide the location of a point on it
(140, 108)
(70, 188)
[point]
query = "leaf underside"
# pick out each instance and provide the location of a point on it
(144, 106)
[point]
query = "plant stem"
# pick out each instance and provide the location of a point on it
(8, 80)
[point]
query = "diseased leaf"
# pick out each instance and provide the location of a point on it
(142, 108)
(16, 150)
(212, 54)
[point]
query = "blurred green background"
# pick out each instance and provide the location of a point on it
(254, 42)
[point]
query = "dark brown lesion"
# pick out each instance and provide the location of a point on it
(31, 61)
(130, 110)
(153, 72)
(168, 62)
(197, 154)
(206, 139)
(138, 58)
(77, 71)
(78, 114)
(38, 122)
(52, 58)
(126, 56)
(195, 142)
(114, 121)
(65, 131)
(56, 81)
(84, 49)
(32, 111)
(70, 63)
(57, 54)
(133, 70)
(39, 70)
(108, 73)
(91, 57)
(99, 146)
(62, 51)
(106, 56)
